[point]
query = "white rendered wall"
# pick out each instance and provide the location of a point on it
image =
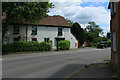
(43, 32)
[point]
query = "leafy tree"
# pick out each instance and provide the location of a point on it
(24, 11)
(105, 38)
(92, 27)
(56, 15)
(93, 31)
(89, 36)
(70, 22)
(78, 32)
(109, 35)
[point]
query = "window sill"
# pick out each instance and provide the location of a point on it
(33, 34)
(60, 35)
(15, 33)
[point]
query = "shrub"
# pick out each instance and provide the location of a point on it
(64, 45)
(45, 46)
(109, 43)
(26, 46)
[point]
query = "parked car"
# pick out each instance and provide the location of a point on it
(102, 44)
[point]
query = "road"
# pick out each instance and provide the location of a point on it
(50, 64)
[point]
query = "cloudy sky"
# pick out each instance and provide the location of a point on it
(83, 12)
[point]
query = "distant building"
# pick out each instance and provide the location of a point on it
(115, 34)
(50, 29)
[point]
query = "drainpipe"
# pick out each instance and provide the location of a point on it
(119, 43)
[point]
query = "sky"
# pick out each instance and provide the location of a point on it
(83, 12)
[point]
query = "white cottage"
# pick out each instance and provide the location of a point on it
(51, 29)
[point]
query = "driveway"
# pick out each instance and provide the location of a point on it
(50, 64)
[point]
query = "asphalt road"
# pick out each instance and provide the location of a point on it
(50, 64)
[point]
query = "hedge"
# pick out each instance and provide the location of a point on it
(64, 45)
(22, 46)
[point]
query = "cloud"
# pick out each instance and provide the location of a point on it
(81, 14)
(74, 12)
(106, 29)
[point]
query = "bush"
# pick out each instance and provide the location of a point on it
(64, 45)
(109, 43)
(26, 46)
(45, 46)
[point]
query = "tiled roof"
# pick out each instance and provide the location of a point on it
(50, 21)
(54, 21)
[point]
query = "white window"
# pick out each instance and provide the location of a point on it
(34, 30)
(60, 32)
(6, 40)
(114, 40)
(16, 30)
(34, 39)
(15, 39)
(114, 7)
(47, 39)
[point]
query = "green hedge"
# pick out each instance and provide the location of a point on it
(22, 46)
(64, 45)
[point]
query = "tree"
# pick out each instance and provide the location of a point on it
(109, 35)
(78, 32)
(89, 36)
(57, 15)
(92, 27)
(70, 22)
(30, 12)
(93, 31)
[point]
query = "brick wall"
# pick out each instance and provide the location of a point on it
(115, 26)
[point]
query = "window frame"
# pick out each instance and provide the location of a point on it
(60, 31)
(114, 41)
(47, 40)
(34, 32)
(6, 40)
(15, 38)
(113, 8)
(34, 40)
(14, 29)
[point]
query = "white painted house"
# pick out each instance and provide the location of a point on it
(51, 29)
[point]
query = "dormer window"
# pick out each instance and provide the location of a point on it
(16, 30)
(60, 32)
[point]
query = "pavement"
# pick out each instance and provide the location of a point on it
(100, 70)
(60, 64)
